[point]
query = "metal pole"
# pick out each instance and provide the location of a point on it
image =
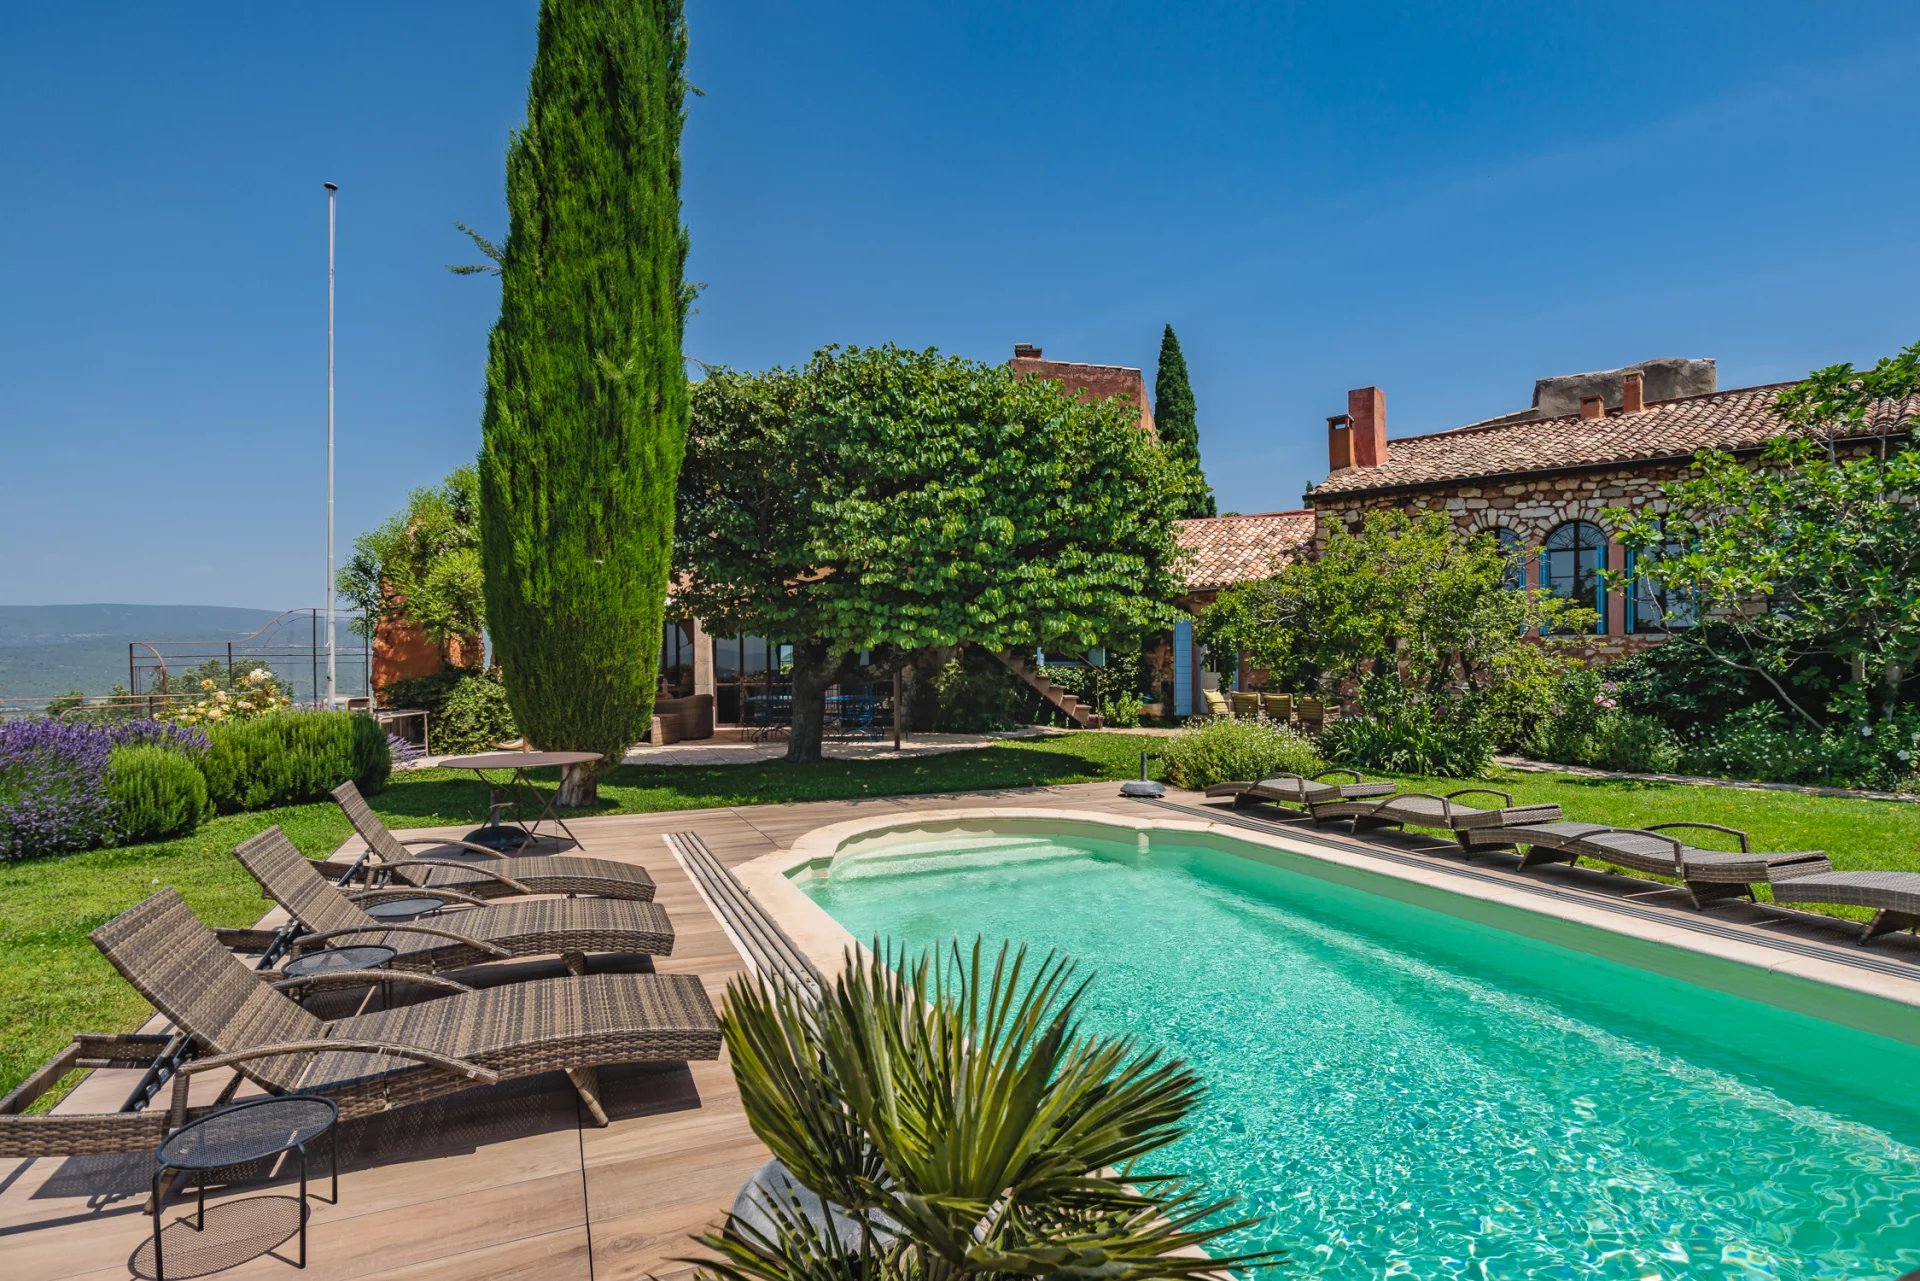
(333, 192)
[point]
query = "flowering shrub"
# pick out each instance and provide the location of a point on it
(1585, 724)
(1227, 750)
(252, 693)
(1761, 743)
(54, 792)
(404, 752)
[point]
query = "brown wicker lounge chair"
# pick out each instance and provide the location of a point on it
(1708, 875)
(1894, 895)
(480, 872)
(1424, 809)
(567, 927)
(370, 1062)
(1245, 706)
(1278, 707)
(1300, 793)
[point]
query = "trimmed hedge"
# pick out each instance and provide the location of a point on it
(156, 792)
(293, 757)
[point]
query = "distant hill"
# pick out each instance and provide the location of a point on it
(49, 649)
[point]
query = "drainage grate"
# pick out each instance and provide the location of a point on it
(764, 944)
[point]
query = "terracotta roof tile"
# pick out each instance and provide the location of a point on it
(1224, 550)
(1092, 382)
(1742, 418)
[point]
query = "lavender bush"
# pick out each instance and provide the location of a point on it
(405, 752)
(53, 781)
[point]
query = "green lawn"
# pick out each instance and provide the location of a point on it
(52, 982)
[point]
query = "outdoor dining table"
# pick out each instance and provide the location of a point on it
(516, 792)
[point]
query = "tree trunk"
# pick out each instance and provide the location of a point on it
(815, 671)
(579, 785)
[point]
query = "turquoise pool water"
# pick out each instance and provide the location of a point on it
(1399, 1092)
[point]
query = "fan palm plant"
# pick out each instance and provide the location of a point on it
(965, 1125)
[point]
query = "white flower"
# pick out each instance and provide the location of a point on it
(1866, 731)
(1904, 754)
(259, 674)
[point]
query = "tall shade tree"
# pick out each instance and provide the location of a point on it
(889, 498)
(1179, 426)
(586, 395)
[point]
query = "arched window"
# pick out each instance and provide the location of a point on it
(1576, 552)
(1512, 545)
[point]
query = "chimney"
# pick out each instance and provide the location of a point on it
(1593, 406)
(1025, 351)
(1367, 421)
(1339, 443)
(1633, 392)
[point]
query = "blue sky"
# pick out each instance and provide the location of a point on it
(1447, 201)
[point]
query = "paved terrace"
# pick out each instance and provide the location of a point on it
(508, 1182)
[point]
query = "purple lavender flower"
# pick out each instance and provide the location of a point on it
(53, 781)
(404, 751)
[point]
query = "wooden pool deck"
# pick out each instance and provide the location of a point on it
(508, 1182)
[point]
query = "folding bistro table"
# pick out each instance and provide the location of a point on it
(515, 793)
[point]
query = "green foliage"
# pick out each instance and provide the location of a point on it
(1761, 743)
(66, 702)
(156, 791)
(1226, 750)
(1812, 554)
(423, 564)
(1586, 724)
(1406, 589)
(1121, 709)
(585, 418)
(1177, 423)
(467, 708)
(882, 497)
(1393, 728)
(1680, 682)
(963, 1105)
(291, 757)
(970, 694)
(475, 716)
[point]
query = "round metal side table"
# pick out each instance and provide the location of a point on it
(246, 1132)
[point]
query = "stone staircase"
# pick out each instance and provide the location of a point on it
(1068, 704)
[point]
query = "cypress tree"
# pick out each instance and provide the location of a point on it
(1174, 419)
(586, 408)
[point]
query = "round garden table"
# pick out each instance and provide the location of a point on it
(514, 793)
(238, 1135)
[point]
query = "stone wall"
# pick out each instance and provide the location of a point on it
(1532, 507)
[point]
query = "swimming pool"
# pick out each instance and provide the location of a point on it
(1401, 1091)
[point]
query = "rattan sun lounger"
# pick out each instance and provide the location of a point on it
(1894, 895)
(1424, 809)
(1708, 875)
(567, 927)
(370, 1062)
(1299, 792)
(481, 872)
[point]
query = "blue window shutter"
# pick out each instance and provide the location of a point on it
(1183, 667)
